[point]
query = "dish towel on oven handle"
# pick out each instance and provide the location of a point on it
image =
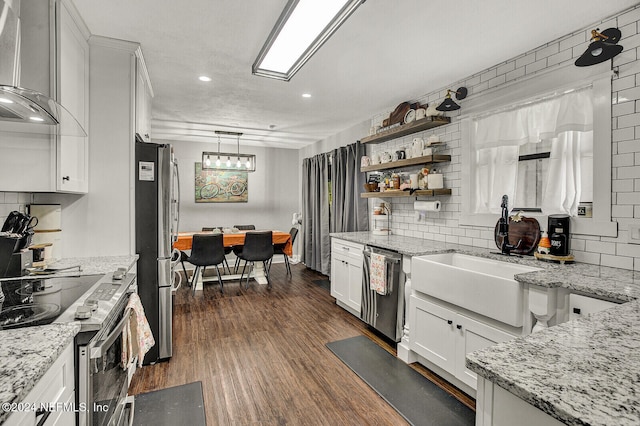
(137, 338)
(378, 274)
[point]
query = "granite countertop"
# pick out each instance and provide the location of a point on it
(582, 372)
(27, 353)
(86, 266)
(25, 356)
(603, 282)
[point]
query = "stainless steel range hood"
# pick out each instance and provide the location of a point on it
(23, 110)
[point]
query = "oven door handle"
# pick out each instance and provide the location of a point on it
(97, 351)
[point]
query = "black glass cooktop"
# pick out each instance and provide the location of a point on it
(30, 302)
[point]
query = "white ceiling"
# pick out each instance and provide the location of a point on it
(386, 53)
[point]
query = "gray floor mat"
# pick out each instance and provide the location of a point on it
(418, 400)
(178, 405)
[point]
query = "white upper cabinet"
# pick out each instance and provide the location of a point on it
(54, 61)
(144, 96)
(73, 93)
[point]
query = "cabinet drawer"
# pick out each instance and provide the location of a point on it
(579, 305)
(56, 386)
(347, 248)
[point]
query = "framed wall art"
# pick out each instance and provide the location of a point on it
(215, 186)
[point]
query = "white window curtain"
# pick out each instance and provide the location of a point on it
(566, 119)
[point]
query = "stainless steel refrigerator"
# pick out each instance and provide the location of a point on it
(157, 218)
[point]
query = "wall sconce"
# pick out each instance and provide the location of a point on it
(448, 104)
(242, 163)
(604, 47)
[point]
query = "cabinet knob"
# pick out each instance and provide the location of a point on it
(65, 178)
(459, 327)
(449, 322)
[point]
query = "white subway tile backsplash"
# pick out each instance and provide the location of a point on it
(573, 41)
(600, 247)
(547, 51)
(565, 55)
(625, 185)
(616, 261)
(515, 74)
(536, 66)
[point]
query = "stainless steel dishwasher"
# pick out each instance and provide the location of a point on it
(384, 313)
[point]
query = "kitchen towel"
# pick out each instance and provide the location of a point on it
(137, 338)
(378, 275)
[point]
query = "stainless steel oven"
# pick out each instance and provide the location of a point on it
(102, 379)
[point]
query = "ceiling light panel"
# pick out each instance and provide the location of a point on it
(302, 28)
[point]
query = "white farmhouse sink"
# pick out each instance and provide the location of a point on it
(480, 285)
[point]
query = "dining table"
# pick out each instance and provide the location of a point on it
(185, 239)
(230, 239)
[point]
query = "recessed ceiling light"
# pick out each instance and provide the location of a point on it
(306, 95)
(5, 101)
(38, 119)
(204, 78)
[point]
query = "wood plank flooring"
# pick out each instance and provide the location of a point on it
(261, 357)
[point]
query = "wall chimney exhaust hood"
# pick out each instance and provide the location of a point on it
(23, 110)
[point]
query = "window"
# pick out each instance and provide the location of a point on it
(533, 141)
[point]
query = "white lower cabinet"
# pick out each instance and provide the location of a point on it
(444, 337)
(53, 396)
(346, 274)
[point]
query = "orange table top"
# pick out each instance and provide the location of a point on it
(185, 240)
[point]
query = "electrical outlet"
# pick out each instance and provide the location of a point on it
(634, 234)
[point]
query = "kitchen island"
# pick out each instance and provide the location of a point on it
(584, 371)
(27, 354)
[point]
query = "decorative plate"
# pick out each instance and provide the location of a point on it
(410, 116)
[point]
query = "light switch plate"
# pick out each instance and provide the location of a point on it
(634, 234)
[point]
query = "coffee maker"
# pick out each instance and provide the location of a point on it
(559, 234)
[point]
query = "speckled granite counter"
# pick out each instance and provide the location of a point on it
(25, 356)
(94, 265)
(88, 266)
(598, 281)
(582, 372)
(27, 353)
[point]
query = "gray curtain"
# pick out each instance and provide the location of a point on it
(316, 244)
(348, 209)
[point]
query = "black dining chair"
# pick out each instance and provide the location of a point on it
(279, 249)
(237, 250)
(206, 250)
(227, 250)
(258, 247)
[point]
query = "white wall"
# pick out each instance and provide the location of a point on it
(273, 189)
(625, 184)
(99, 223)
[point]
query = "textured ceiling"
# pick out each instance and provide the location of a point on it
(386, 53)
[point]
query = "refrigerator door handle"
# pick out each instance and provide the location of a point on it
(176, 201)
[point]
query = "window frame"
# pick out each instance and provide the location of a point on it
(552, 80)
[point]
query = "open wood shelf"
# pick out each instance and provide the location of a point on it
(398, 193)
(428, 159)
(407, 129)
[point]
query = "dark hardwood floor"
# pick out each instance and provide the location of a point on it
(261, 357)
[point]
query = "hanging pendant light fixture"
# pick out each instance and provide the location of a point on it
(604, 46)
(449, 104)
(244, 163)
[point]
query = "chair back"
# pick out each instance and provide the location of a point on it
(245, 227)
(294, 233)
(258, 246)
(207, 249)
